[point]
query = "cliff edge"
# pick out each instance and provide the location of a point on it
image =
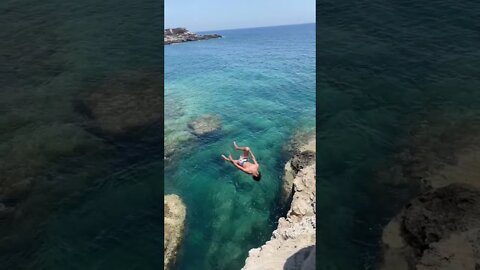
(292, 245)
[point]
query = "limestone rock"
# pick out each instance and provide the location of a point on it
(303, 156)
(292, 245)
(205, 124)
(440, 229)
(174, 220)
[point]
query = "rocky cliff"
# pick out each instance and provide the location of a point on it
(440, 228)
(174, 220)
(292, 245)
(179, 35)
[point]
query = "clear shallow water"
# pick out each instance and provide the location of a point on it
(92, 203)
(261, 82)
(385, 69)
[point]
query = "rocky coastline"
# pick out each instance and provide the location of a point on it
(440, 227)
(179, 35)
(174, 219)
(292, 245)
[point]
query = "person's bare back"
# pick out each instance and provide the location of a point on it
(243, 164)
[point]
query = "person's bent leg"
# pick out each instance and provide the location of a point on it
(245, 149)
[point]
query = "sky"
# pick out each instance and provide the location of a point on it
(207, 15)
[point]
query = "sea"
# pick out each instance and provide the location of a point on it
(396, 82)
(80, 200)
(260, 82)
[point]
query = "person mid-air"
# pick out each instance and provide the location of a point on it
(243, 164)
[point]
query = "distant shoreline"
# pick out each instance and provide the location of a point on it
(180, 35)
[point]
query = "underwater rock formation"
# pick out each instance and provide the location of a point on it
(292, 245)
(439, 229)
(174, 220)
(129, 102)
(179, 35)
(205, 124)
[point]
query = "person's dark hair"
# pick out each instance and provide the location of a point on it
(258, 177)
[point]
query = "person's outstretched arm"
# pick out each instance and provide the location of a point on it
(233, 162)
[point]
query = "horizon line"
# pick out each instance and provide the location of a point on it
(266, 26)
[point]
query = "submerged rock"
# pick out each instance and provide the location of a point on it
(128, 102)
(292, 245)
(174, 220)
(205, 124)
(439, 229)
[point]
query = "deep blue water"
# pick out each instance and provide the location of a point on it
(385, 69)
(261, 83)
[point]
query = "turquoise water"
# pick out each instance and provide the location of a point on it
(386, 70)
(261, 82)
(92, 201)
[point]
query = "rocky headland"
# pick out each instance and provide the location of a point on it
(440, 227)
(292, 245)
(179, 35)
(174, 220)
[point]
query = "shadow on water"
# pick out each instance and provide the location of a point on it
(303, 259)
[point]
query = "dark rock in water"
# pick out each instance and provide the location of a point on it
(205, 124)
(128, 103)
(437, 214)
(440, 229)
(179, 35)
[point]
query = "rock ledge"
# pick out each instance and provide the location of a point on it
(292, 245)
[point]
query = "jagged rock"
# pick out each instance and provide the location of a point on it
(304, 155)
(292, 243)
(439, 229)
(205, 124)
(128, 102)
(174, 220)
